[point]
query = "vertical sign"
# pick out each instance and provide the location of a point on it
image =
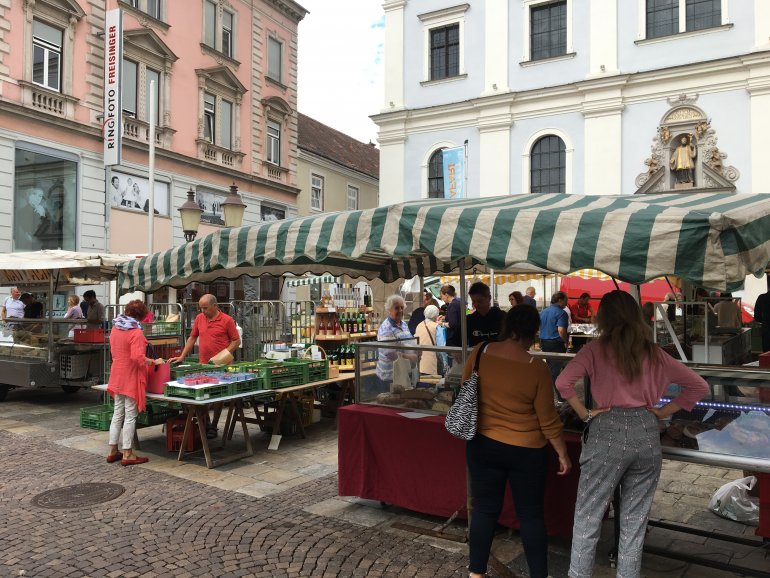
(112, 124)
(454, 172)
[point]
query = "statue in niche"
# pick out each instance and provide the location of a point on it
(682, 160)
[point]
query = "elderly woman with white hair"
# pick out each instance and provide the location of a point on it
(426, 333)
(392, 328)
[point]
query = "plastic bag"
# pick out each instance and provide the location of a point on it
(732, 501)
(440, 336)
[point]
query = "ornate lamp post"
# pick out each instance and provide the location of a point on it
(233, 208)
(191, 216)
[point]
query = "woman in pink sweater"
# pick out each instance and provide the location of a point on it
(628, 374)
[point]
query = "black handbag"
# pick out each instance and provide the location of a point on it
(462, 418)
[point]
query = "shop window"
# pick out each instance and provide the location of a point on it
(271, 213)
(436, 175)
(548, 30)
(45, 201)
(317, 192)
(548, 166)
(352, 198)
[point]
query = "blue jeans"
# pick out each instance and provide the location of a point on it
(490, 465)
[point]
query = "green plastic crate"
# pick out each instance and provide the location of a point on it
(237, 387)
(211, 391)
(287, 381)
(96, 417)
(157, 413)
(157, 328)
(312, 369)
(186, 368)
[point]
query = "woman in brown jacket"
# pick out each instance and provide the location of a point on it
(517, 420)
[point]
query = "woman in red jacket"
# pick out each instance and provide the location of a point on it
(128, 380)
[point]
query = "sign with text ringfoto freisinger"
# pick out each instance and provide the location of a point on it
(112, 121)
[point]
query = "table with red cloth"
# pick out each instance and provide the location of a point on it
(416, 464)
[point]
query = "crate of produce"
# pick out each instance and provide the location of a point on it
(96, 417)
(175, 432)
(277, 373)
(185, 368)
(312, 369)
(198, 392)
(156, 413)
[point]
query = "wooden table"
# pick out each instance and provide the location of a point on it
(199, 409)
(289, 396)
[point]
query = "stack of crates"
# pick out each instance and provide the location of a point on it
(276, 374)
(175, 431)
(157, 412)
(312, 369)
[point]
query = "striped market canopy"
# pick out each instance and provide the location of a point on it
(711, 240)
(302, 281)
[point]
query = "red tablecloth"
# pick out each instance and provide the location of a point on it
(416, 464)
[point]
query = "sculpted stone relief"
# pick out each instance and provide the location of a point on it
(684, 153)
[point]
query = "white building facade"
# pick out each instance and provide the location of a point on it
(585, 97)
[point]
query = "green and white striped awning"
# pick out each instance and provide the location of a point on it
(302, 281)
(711, 240)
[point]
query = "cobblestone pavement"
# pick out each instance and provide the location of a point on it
(274, 514)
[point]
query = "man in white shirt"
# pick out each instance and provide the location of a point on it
(13, 306)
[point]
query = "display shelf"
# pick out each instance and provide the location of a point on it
(340, 337)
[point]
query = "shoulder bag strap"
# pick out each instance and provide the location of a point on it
(478, 357)
(425, 323)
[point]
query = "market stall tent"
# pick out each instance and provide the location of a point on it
(38, 268)
(710, 240)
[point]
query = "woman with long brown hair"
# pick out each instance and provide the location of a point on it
(629, 374)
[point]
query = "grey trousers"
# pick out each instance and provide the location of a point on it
(622, 449)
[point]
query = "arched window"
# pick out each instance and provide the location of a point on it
(436, 175)
(548, 166)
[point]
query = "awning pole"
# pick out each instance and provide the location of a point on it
(463, 320)
(50, 317)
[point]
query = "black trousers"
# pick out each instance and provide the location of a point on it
(492, 464)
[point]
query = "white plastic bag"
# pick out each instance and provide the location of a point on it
(732, 501)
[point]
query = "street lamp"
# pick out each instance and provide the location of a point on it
(233, 208)
(191, 216)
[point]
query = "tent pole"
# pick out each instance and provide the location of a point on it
(50, 317)
(463, 320)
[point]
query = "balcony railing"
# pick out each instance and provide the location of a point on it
(47, 101)
(219, 155)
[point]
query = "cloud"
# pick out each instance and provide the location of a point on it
(340, 77)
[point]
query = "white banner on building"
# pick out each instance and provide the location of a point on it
(113, 62)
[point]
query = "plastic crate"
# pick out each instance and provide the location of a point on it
(186, 368)
(156, 413)
(76, 366)
(157, 328)
(199, 393)
(175, 431)
(287, 381)
(96, 335)
(237, 387)
(96, 417)
(312, 369)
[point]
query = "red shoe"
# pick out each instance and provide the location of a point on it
(134, 461)
(114, 457)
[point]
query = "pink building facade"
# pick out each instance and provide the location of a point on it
(222, 78)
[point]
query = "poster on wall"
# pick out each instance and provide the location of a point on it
(211, 203)
(272, 213)
(130, 192)
(45, 196)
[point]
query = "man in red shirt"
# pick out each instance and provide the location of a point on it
(214, 331)
(581, 310)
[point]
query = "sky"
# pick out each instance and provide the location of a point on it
(340, 82)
